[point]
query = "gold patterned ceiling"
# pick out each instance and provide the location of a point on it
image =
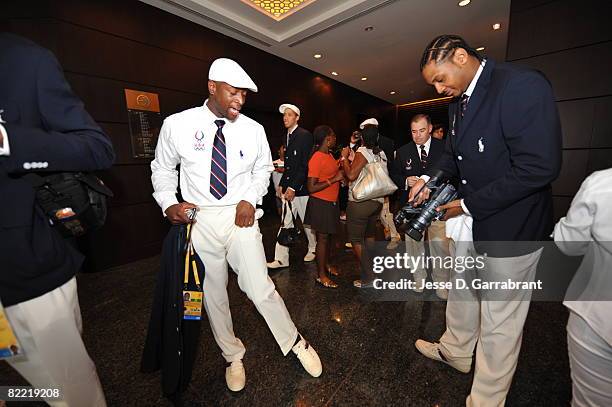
(278, 9)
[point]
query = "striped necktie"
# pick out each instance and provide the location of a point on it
(218, 164)
(463, 104)
(423, 156)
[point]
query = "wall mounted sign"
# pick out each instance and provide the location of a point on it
(145, 122)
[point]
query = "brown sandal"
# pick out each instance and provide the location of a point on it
(326, 284)
(332, 270)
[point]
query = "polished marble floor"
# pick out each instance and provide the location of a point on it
(367, 348)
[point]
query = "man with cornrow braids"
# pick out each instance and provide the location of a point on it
(504, 144)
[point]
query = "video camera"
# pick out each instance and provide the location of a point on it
(414, 220)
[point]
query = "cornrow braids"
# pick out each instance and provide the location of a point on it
(443, 47)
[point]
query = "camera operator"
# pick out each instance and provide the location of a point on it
(45, 129)
(411, 161)
(504, 145)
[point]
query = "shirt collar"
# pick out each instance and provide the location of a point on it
(427, 144)
(292, 129)
(470, 88)
(210, 116)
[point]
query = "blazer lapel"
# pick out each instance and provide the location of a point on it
(477, 97)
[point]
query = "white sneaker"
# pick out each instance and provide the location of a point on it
(277, 264)
(309, 257)
(308, 357)
(235, 376)
(432, 351)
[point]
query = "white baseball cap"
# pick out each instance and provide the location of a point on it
(369, 121)
(228, 71)
(289, 106)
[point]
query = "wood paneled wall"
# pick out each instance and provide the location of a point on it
(105, 46)
(571, 42)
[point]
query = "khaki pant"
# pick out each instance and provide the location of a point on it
(298, 207)
(219, 242)
(438, 247)
(48, 329)
(494, 327)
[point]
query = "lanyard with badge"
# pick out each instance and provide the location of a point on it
(9, 345)
(192, 299)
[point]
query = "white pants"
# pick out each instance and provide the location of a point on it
(495, 328)
(219, 242)
(49, 331)
(591, 364)
(438, 248)
(298, 207)
(386, 218)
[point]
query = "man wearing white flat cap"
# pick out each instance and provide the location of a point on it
(225, 166)
(298, 145)
(386, 216)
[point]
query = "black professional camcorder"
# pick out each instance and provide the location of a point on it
(414, 220)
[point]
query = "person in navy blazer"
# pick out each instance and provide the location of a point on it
(44, 128)
(504, 145)
(407, 162)
(298, 151)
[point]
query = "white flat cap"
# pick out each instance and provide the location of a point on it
(289, 106)
(369, 121)
(228, 71)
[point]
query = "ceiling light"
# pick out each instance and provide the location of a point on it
(464, 3)
(364, 78)
(480, 49)
(317, 56)
(335, 73)
(496, 26)
(369, 28)
(392, 92)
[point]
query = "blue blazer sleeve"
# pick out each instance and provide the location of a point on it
(68, 140)
(532, 132)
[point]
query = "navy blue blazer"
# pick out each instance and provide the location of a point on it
(297, 156)
(506, 151)
(407, 163)
(48, 131)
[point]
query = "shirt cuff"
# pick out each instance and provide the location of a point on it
(166, 203)
(425, 178)
(465, 209)
(5, 148)
(291, 189)
(252, 198)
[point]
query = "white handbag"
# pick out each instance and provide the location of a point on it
(373, 182)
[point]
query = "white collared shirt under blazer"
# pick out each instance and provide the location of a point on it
(186, 138)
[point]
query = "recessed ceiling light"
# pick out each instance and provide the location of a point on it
(335, 73)
(480, 49)
(364, 78)
(369, 28)
(317, 56)
(464, 3)
(496, 26)
(392, 92)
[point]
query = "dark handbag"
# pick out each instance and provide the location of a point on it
(288, 236)
(74, 202)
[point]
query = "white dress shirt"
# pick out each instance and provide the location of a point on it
(186, 138)
(418, 147)
(291, 130)
(469, 92)
(427, 146)
(586, 231)
(4, 148)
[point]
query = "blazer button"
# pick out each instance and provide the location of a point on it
(459, 158)
(463, 181)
